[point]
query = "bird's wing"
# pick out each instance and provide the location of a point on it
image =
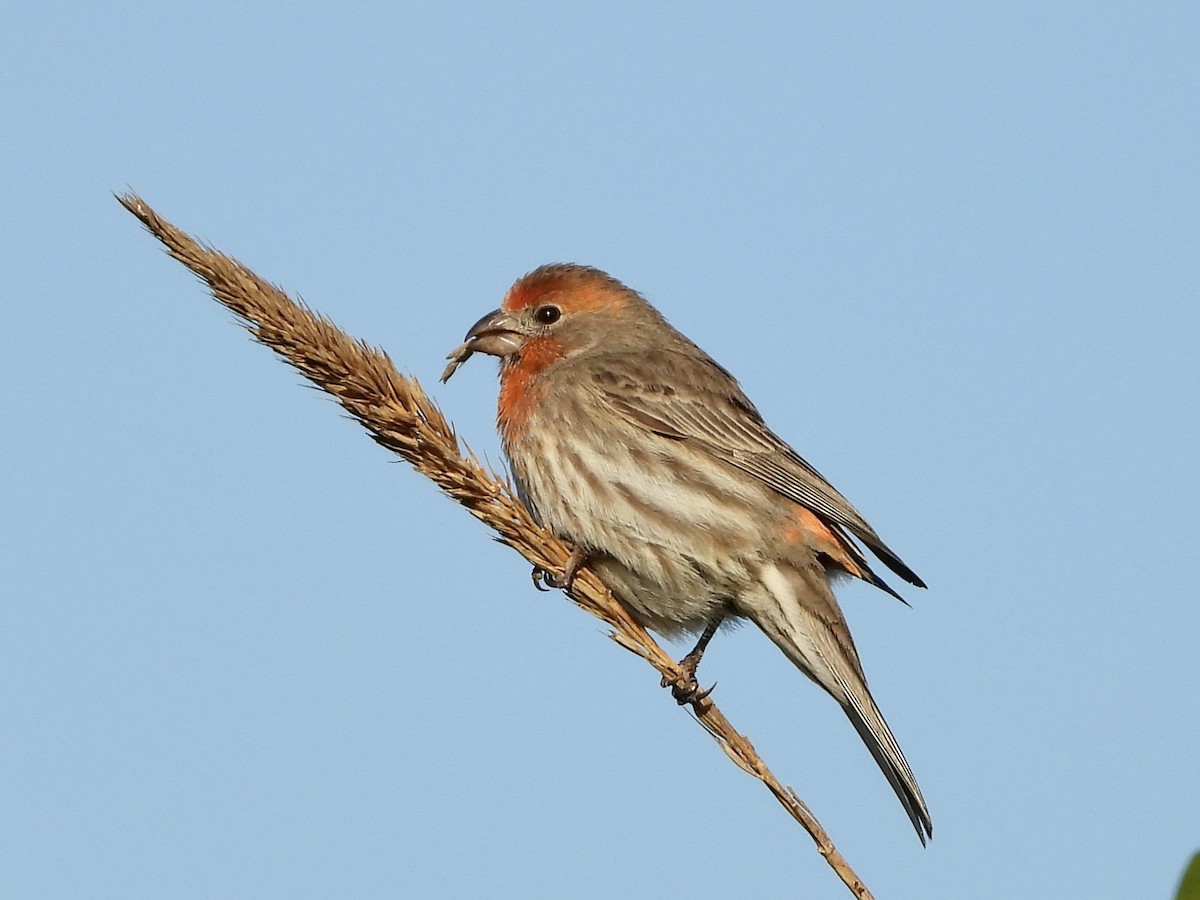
(686, 396)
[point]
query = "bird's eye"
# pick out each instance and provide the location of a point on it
(547, 315)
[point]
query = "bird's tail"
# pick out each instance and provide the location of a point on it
(797, 610)
(874, 731)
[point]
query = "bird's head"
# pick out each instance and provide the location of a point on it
(553, 313)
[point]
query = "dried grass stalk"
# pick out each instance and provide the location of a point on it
(399, 415)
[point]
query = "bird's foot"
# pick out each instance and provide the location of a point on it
(684, 686)
(545, 580)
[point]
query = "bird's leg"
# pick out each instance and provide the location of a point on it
(685, 688)
(574, 563)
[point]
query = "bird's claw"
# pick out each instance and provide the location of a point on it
(545, 580)
(684, 686)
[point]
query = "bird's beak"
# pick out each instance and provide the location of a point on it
(497, 334)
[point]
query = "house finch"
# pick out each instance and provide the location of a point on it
(629, 442)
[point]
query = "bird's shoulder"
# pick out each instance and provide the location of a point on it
(678, 391)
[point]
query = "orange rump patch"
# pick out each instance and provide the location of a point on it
(810, 531)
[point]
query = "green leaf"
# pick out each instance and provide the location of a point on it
(1189, 888)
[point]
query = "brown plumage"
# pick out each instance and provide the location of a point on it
(630, 442)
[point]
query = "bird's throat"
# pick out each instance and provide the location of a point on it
(521, 387)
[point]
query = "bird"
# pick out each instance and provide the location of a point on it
(630, 443)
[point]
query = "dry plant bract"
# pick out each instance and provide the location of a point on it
(399, 415)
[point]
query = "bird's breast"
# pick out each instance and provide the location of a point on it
(680, 530)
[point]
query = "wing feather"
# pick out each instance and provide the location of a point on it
(712, 412)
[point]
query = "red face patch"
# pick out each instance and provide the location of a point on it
(572, 288)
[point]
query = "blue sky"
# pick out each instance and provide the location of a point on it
(950, 251)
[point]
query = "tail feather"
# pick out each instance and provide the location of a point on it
(796, 609)
(874, 731)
